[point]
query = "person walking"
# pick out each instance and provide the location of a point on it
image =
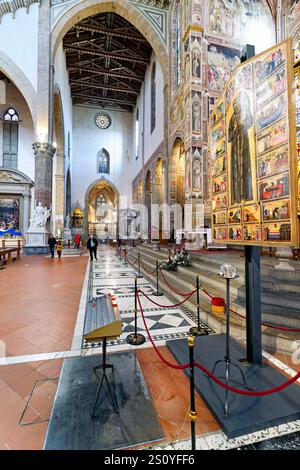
(92, 245)
(59, 248)
(52, 243)
(77, 241)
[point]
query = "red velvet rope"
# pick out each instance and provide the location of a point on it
(170, 287)
(148, 272)
(274, 327)
(239, 391)
(167, 306)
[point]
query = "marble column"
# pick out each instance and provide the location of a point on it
(43, 153)
(26, 211)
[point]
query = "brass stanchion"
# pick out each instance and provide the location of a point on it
(135, 339)
(139, 265)
(158, 293)
(197, 330)
(193, 412)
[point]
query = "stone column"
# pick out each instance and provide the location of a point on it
(26, 211)
(59, 196)
(43, 153)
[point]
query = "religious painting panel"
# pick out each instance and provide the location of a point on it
(276, 210)
(276, 161)
(220, 218)
(252, 233)
(251, 213)
(258, 151)
(221, 64)
(220, 233)
(9, 213)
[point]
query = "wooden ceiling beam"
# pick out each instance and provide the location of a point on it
(135, 77)
(105, 54)
(102, 87)
(105, 99)
(110, 32)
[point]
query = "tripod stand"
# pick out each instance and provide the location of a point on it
(227, 359)
(104, 366)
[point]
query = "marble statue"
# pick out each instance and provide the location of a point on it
(196, 175)
(40, 217)
(67, 225)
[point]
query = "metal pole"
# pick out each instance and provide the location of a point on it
(192, 413)
(253, 304)
(158, 293)
(197, 330)
(135, 339)
(139, 264)
(125, 257)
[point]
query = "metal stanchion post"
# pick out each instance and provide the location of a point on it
(229, 272)
(193, 412)
(125, 256)
(139, 266)
(158, 293)
(135, 339)
(197, 330)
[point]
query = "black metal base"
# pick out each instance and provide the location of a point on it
(135, 339)
(139, 277)
(228, 363)
(104, 378)
(157, 294)
(195, 331)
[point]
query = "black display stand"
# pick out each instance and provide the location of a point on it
(253, 304)
(104, 366)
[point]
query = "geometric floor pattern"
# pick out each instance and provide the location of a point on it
(110, 275)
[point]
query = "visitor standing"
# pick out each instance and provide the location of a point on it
(59, 248)
(77, 241)
(52, 243)
(92, 245)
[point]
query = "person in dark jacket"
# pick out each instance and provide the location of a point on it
(52, 244)
(92, 245)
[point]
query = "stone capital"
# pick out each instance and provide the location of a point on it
(43, 150)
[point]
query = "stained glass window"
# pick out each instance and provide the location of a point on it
(153, 97)
(11, 115)
(103, 162)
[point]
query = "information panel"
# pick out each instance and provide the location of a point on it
(253, 154)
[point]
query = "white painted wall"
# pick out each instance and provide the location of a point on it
(26, 133)
(151, 141)
(88, 140)
(19, 40)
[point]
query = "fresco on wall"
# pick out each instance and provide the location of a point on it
(221, 64)
(242, 20)
(196, 57)
(295, 10)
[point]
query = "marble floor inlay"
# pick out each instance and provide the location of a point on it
(110, 275)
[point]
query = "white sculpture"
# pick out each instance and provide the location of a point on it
(67, 221)
(40, 216)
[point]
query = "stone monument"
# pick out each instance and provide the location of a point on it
(37, 235)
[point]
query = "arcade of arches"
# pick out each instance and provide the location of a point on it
(104, 114)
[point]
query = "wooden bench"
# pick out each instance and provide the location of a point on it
(6, 254)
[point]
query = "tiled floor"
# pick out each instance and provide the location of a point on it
(39, 300)
(170, 392)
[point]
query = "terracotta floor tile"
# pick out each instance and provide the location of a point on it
(25, 385)
(29, 437)
(51, 368)
(15, 373)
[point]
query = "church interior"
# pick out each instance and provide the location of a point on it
(149, 225)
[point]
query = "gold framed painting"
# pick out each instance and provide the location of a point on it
(254, 164)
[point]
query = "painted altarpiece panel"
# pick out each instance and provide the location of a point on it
(257, 152)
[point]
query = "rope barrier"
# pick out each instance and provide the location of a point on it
(167, 306)
(219, 382)
(132, 263)
(170, 287)
(147, 272)
(268, 325)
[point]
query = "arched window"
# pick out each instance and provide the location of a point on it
(153, 97)
(10, 138)
(103, 162)
(176, 46)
